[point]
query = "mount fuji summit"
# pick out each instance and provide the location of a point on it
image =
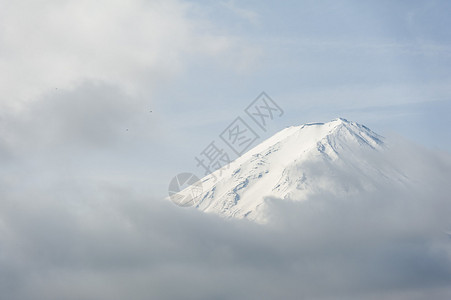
(338, 158)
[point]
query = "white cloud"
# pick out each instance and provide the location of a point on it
(134, 44)
(75, 237)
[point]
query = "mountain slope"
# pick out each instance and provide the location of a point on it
(299, 161)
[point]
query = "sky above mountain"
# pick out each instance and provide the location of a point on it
(96, 70)
(103, 102)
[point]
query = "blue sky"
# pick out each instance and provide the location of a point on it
(384, 64)
(198, 64)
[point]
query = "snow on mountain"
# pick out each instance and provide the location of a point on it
(297, 162)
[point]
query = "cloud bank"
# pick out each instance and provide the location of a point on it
(76, 237)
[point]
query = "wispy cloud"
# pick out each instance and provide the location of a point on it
(246, 14)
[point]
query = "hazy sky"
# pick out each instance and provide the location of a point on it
(103, 102)
(100, 68)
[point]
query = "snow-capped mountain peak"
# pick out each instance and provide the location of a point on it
(293, 164)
